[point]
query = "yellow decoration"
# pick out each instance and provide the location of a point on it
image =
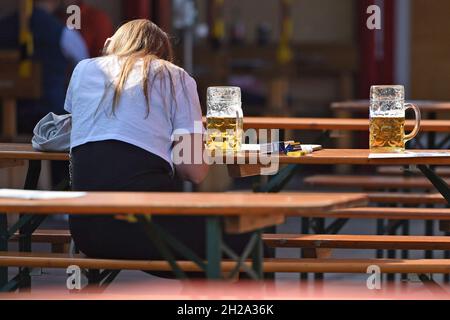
(219, 29)
(26, 40)
(297, 154)
(285, 53)
(25, 69)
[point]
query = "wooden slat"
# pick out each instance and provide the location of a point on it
(48, 236)
(350, 157)
(33, 260)
(326, 156)
(406, 198)
(369, 182)
(357, 266)
(243, 224)
(20, 151)
(392, 213)
(443, 172)
(11, 163)
(223, 204)
(357, 242)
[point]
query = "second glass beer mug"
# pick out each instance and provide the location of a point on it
(224, 119)
(387, 119)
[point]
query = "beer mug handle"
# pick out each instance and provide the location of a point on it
(416, 130)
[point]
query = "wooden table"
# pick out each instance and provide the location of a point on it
(324, 157)
(21, 151)
(250, 212)
(363, 106)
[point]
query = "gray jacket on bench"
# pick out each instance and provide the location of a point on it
(52, 133)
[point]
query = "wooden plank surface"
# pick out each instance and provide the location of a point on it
(21, 151)
(391, 213)
(326, 156)
(223, 204)
(370, 181)
(363, 106)
(406, 198)
(357, 242)
(348, 156)
(48, 236)
(11, 163)
(399, 170)
(42, 260)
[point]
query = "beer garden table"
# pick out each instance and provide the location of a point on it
(259, 207)
(16, 154)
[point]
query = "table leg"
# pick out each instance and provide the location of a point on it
(3, 248)
(31, 183)
(437, 181)
(213, 248)
(9, 119)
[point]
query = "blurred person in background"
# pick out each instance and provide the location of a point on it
(96, 25)
(55, 48)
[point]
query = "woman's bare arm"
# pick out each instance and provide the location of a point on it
(188, 158)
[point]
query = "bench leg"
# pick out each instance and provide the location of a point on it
(319, 228)
(380, 232)
(99, 281)
(304, 230)
(258, 255)
(405, 253)
(431, 285)
(429, 231)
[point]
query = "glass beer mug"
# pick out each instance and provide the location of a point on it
(224, 119)
(387, 119)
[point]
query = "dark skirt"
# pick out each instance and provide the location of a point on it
(118, 166)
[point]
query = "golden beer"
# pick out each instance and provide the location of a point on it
(224, 134)
(387, 134)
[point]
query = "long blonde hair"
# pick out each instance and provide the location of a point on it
(141, 39)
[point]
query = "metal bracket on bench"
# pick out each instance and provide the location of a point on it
(431, 285)
(165, 243)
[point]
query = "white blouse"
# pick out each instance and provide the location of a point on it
(90, 95)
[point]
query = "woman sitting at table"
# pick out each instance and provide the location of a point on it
(126, 106)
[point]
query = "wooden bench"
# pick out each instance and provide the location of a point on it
(369, 182)
(391, 213)
(357, 242)
(58, 239)
(398, 170)
(392, 266)
(234, 213)
(407, 198)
